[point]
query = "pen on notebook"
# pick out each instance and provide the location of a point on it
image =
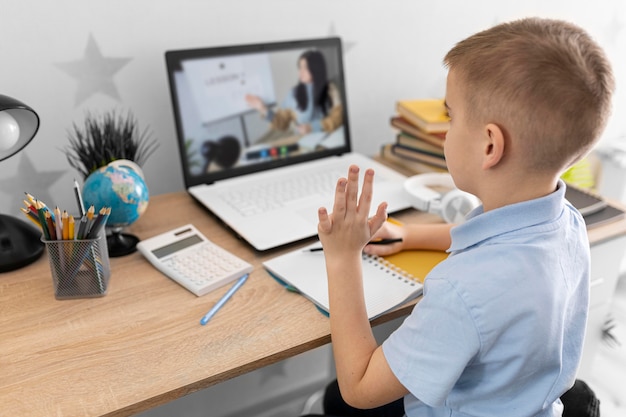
(223, 300)
(373, 242)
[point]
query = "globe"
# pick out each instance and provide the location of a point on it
(120, 188)
(123, 189)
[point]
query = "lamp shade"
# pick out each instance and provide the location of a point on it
(20, 243)
(21, 121)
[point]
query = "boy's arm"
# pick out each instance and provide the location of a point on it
(364, 376)
(434, 236)
(431, 236)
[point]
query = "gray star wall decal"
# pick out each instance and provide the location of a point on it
(39, 187)
(94, 72)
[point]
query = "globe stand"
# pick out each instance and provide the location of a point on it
(121, 244)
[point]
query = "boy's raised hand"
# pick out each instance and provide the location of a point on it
(348, 228)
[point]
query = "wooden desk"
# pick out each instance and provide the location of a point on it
(141, 345)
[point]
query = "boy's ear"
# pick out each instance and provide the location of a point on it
(494, 146)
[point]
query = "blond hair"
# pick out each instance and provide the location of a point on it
(545, 82)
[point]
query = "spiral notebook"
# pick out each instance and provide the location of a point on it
(385, 285)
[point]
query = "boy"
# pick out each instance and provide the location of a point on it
(500, 328)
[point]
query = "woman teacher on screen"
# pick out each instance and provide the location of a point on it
(313, 105)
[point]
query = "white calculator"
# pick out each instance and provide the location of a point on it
(189, 258)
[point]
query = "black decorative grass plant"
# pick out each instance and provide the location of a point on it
(106, 138)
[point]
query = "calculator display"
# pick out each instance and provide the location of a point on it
(176, 246)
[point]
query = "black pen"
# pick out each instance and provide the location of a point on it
(373, 242)
(79, 198)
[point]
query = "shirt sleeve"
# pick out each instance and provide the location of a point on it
(433, 346)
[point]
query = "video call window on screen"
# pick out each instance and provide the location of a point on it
(239, 110)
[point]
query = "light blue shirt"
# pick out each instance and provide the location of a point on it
(500, 328)
(312, 115)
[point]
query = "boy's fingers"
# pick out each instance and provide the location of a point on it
(352, 189)
(379, 218)
(324, 225)
(365, 200)
(339, 206)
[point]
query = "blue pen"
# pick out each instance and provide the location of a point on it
(223, 300)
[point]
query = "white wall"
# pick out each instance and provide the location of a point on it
(394, 50)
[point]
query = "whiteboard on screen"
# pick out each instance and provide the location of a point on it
(219, 85)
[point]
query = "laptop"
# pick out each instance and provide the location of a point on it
(243, 136)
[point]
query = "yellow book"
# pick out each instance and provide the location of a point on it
(416, 262)
(430, 115)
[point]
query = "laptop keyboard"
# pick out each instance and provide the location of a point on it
(261, 198)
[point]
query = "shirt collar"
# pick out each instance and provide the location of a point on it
(481, 226)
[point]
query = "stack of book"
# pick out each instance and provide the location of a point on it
(421, 126)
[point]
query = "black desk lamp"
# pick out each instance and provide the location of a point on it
(20, 242)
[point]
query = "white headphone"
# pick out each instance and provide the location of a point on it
(452, 205)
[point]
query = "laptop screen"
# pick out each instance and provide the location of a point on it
(248, 108)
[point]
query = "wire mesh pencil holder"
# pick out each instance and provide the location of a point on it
(80, 268)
